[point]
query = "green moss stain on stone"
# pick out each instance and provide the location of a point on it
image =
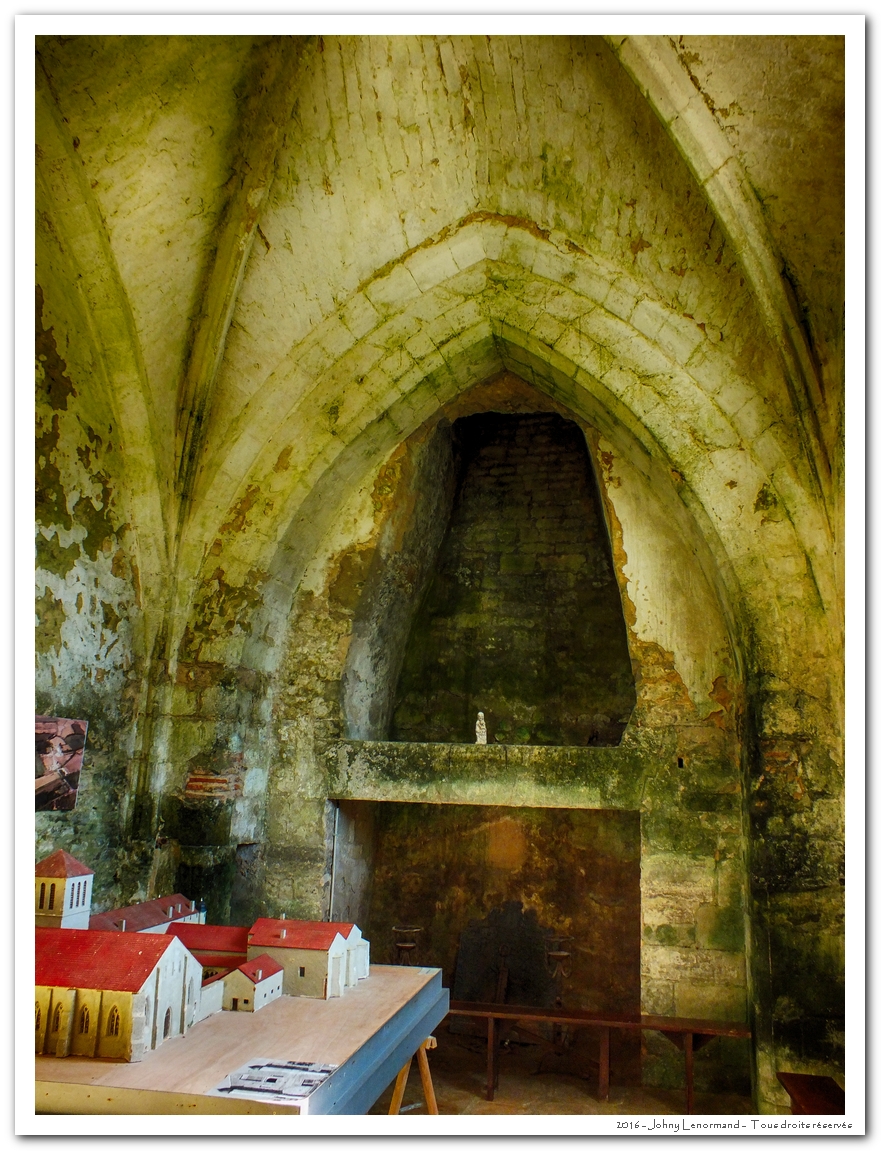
(198, 823)
(803, 999)
(354, 567)
(208, 874)
(53, 557)
(56, 387)
(223, 608)
(50, 499)
(94, 514)
(85, 592)
(720, 927)
(110, 616)
(699, 799)
(671, 934)
(50, 617)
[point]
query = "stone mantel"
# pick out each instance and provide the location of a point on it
(497, 775)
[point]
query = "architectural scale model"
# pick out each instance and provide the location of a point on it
(218, 949)
(62, 891)
(251, 985)
(112, 995)
(118, 983)
(319, 959)
(154, 915)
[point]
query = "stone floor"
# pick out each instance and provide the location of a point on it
(458, 1071)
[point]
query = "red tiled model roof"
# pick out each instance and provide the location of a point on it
(303, 934)
(60, 865)
(224, 963)
(260, 968)
(208, 937)
(96, 960)
(140, 916)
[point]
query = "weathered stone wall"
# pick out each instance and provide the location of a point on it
(391, 579)
(91, 662)
(266, 264)
(522, 619)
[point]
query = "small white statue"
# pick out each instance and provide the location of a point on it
(480, 728)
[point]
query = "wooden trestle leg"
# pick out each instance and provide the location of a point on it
(400, 1086)
(425, 1074)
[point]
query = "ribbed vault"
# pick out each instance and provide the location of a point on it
(272, 270)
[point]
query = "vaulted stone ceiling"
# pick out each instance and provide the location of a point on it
(269, 268)
(249, 211)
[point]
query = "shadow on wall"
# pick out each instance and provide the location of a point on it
(494, 889)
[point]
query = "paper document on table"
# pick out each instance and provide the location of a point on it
(286, 1081)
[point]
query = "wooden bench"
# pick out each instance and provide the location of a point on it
(812, 1094)
(687, 1034)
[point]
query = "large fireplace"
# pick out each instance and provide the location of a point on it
(522, 905)
(590, 851)
(512, 609)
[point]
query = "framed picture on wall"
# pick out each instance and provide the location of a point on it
(58, 761)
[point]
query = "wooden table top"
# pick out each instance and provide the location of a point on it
(289, 1028)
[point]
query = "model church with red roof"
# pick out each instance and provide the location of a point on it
(119, 983)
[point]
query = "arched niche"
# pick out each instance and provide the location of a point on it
(671, 590)
(495, 593)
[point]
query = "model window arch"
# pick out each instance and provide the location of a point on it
(51, 896)
(42, 895)
(113, 1021)
(56, 1018)
(73, 888)
(38, 1017)
(85, 1019)
(166, 1030)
